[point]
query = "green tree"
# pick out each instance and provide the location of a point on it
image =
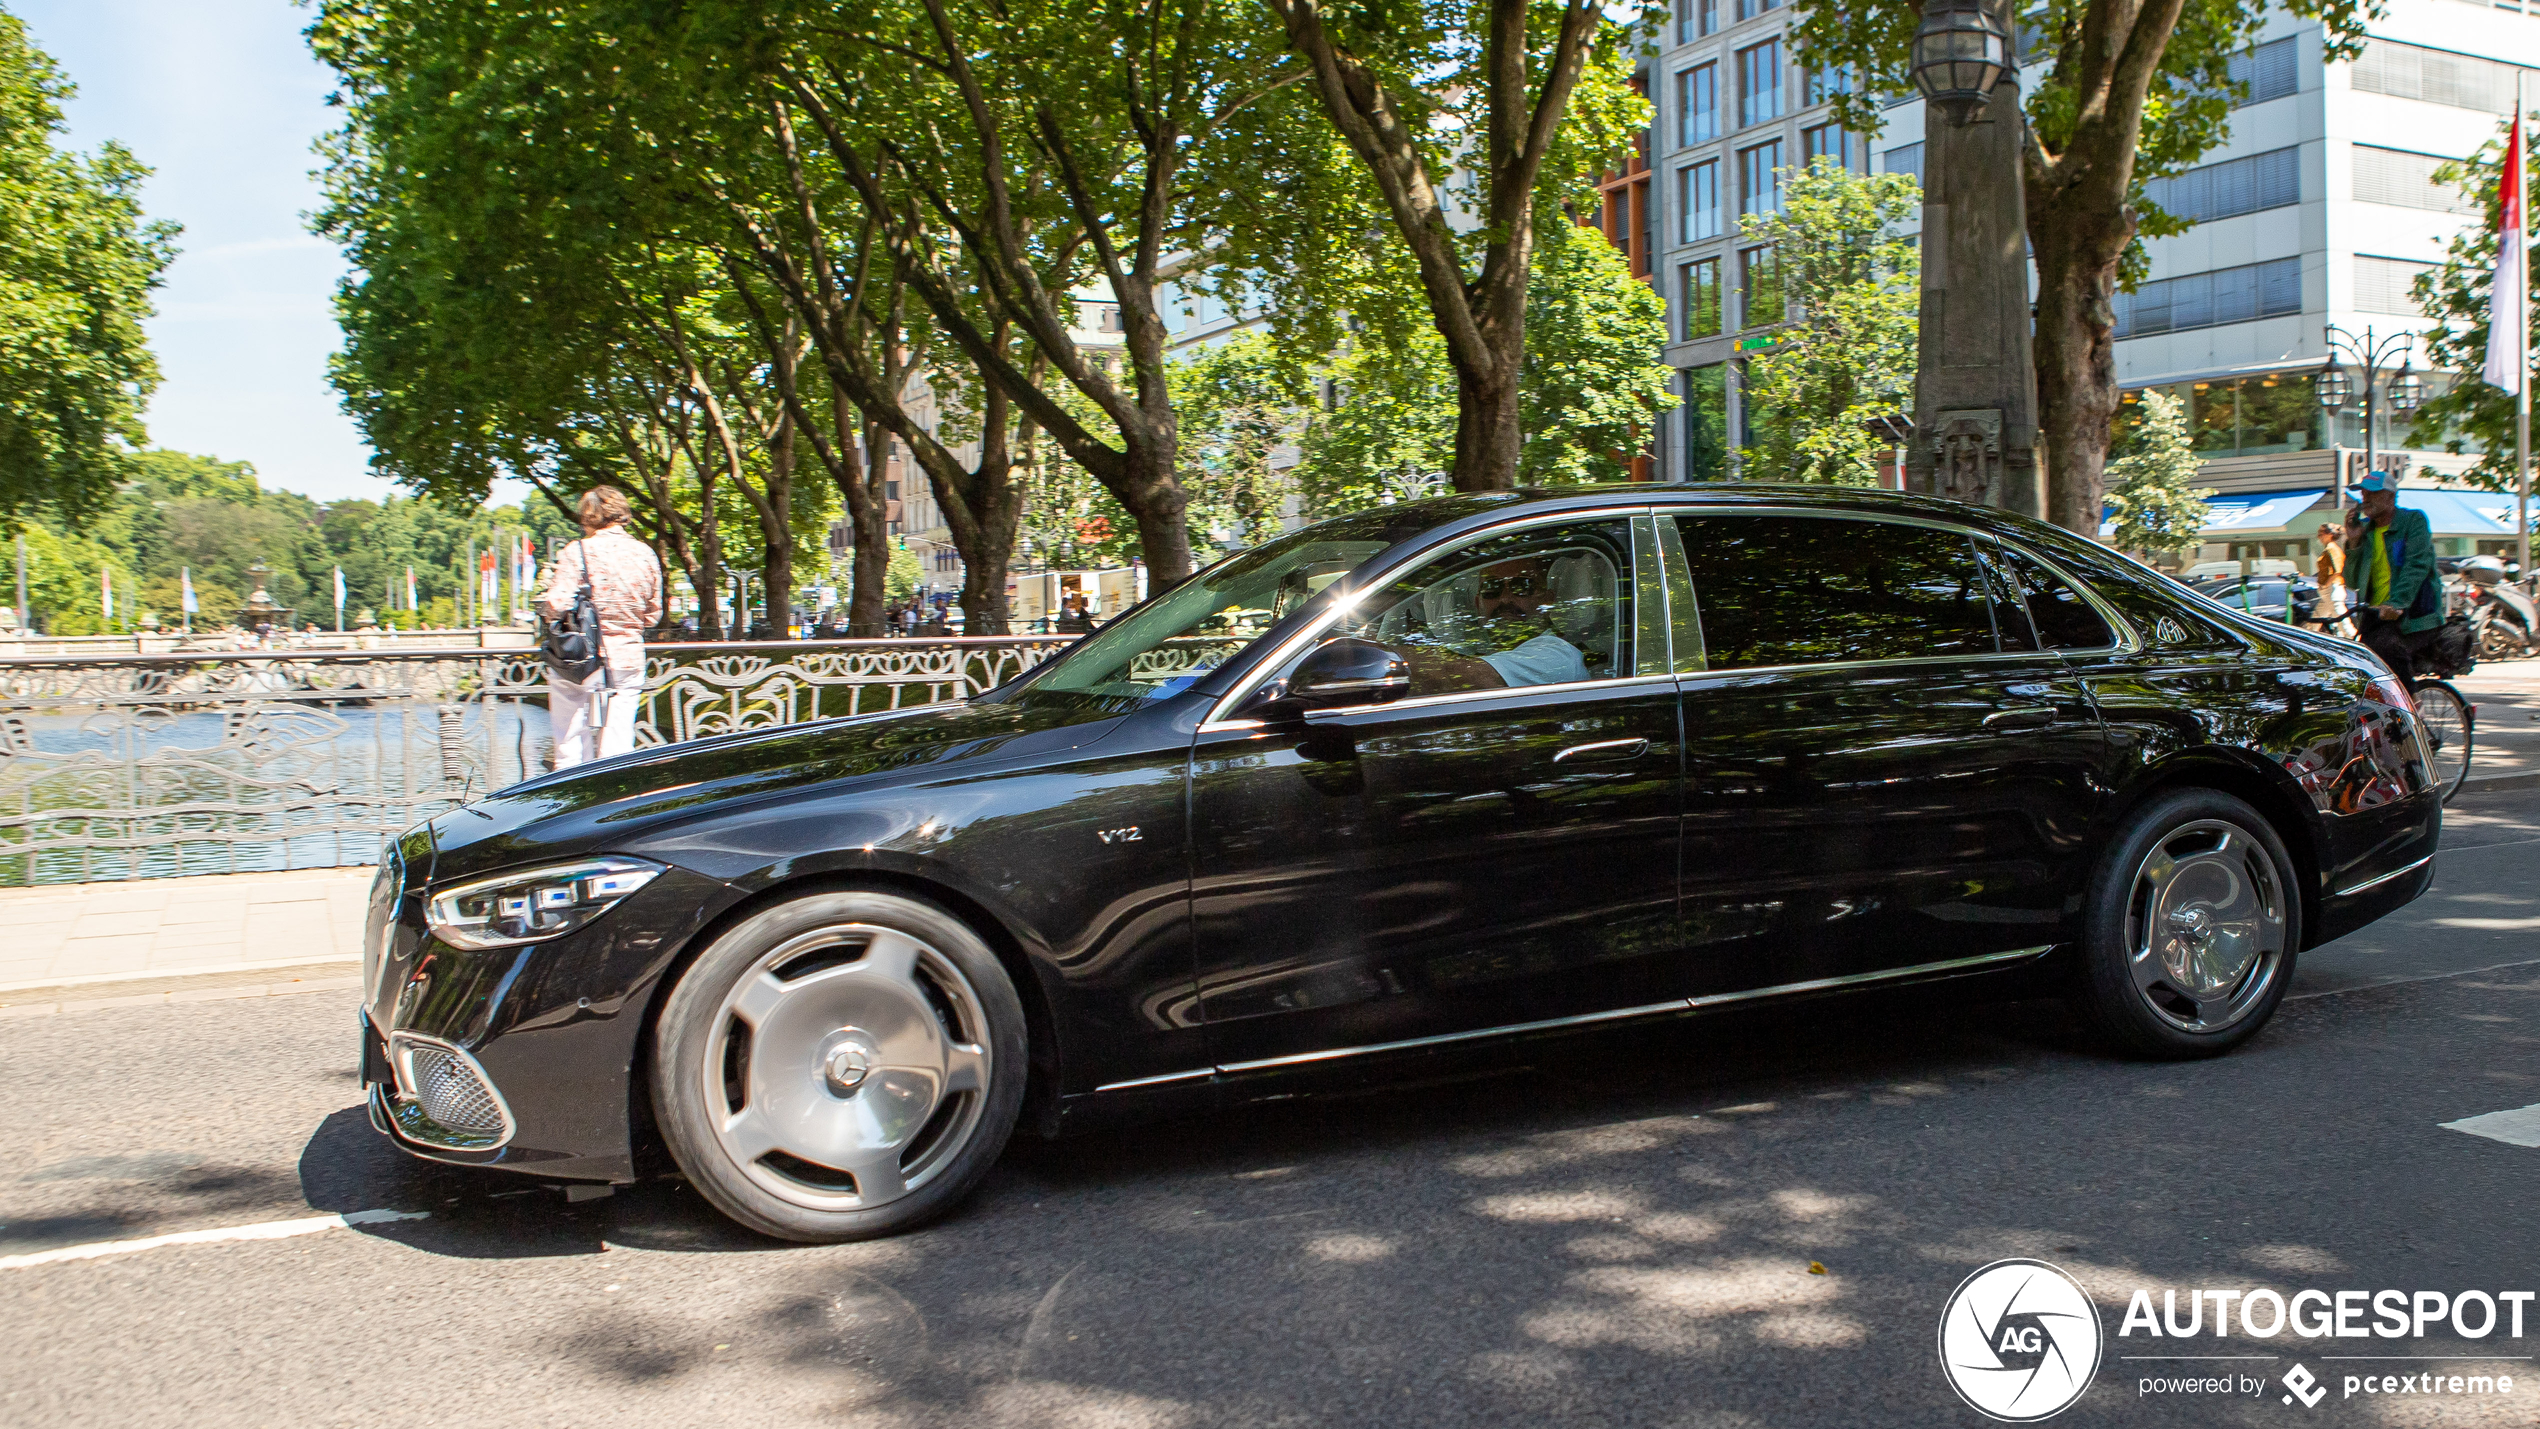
(2160, 510)
(1846, 357)
(2118, 92)
(1240, 405)
(1526, 96)
(77, 265)
(2456, 294)
(1594, 382)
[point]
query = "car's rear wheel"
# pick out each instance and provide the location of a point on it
(2191, 928)
(842, 1065)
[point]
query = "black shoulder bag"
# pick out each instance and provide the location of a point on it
(571, 645)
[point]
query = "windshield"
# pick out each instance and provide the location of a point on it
(1176, 639)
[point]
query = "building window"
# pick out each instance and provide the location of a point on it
(1706, 417)
(1759, 178)
(1906, 159)
(1698, 104)
(2225, 295)
(1749, 9)
(2435, 76)
(2397, 176)
(1696, 18)
(2233, 187)
(1698, 198)
(2385, 285)
(1759, 83)
(1699, 285)
(1825, 84)
(2272, 70)
(1760, 302)
(1831, 141)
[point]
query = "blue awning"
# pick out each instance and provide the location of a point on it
(2464, 513)
(2242, 511)
(2259, 511)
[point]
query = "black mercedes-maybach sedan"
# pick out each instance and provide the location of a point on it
(1479, 767)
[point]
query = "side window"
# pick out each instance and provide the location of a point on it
(1797, 590)
(2064, 620)
(1540, 606)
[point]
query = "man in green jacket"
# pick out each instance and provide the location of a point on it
(2397, 598)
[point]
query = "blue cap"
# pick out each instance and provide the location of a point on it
(2377, 481)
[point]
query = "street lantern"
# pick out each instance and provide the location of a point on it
(2336, 388)
(2407, 391)
(1960, 52)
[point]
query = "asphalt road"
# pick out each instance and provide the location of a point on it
(1617, 1231)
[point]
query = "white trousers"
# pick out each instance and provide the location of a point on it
(594, 717)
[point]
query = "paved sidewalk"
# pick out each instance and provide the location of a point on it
(2507, 752)
(75, 935)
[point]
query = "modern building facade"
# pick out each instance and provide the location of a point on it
(2319, 210)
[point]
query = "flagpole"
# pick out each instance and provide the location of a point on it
(2522, 389)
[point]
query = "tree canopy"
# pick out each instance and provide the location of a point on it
(77, 265)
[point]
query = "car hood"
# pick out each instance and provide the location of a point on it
(589, 809)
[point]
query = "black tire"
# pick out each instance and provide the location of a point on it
(808, 1006)
(2450, 734)
(2231, 889)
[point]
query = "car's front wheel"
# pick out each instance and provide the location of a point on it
(2191, 927)
(842, 1065)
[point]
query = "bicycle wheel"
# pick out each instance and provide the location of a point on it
(2446, 718)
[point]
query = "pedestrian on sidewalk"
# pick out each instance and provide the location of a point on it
(594, 717)
(2390, 570)
(2330, 604)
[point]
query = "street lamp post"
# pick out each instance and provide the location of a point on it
(1975, 385)
(2371, 354)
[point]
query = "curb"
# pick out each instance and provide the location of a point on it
(206, 985)
(13, 991)
(2498, 783)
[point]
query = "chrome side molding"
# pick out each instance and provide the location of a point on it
(1586, 1019)
(2380, 879)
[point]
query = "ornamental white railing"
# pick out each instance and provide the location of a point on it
(140, 766)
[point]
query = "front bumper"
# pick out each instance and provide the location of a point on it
(552, 1031)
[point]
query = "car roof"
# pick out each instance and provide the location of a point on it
(1440, 514)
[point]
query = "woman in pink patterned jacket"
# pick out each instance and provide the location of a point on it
(594, 717)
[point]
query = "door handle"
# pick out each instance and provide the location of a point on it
(2020, 717)
(1605, 749)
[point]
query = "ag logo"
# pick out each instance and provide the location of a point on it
(2019, 1340)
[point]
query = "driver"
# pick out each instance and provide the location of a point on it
(1518, 589)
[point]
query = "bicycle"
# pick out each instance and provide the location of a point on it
(2449, 720)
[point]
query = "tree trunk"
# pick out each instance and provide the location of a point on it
(1487, 435)
(2076, 372)
(869, 513)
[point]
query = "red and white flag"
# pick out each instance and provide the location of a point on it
(2509, 298)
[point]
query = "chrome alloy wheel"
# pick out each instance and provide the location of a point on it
(847, 1067)
(2205, 926)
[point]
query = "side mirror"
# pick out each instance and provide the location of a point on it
(1340, 671)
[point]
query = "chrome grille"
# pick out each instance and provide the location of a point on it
(452, 1093)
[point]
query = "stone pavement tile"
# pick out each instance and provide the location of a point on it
(39, 942)
(95, 924)
(32, 911)
(84, 957)
(204, 909)
(139, 896)
(185, 936)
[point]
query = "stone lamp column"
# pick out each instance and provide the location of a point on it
(1975, 383)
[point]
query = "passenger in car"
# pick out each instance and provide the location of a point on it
(1513, 590)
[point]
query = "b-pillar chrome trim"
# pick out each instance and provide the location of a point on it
(1587, 1019)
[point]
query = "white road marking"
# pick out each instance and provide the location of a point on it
(2519, 1127)
(262, 1230)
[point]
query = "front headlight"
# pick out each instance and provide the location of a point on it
(536, 904)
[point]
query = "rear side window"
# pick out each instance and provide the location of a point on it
(2063, 619)
(1802, 590)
